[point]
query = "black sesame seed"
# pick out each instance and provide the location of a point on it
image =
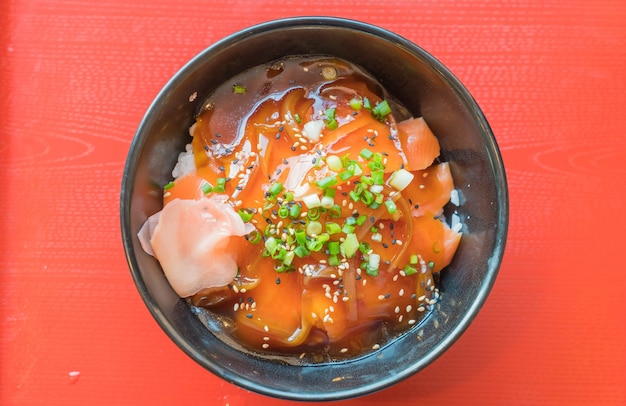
(250, 167)
(385, 245)
(213, 141)
(293, 148)
(249, 315)
(285, 161)
(313, 161)
(358, 277)
(206, 148)
(277, 135)
(387, 262)
(393, 242)
(250, 300)
(218, 135)
(278, 281)
(387, 296)
(222, 168)
(281, 128)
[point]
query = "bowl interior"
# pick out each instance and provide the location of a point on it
(421, 84)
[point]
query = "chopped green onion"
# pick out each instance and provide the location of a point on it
(413, 260)
(330, 192)
(400, 179)
(169, 186)
(367, 180)
(378, 176)
(347, 229)
(345, 175)
(275, 189)
(294, 210)
(312, 201)
(367, 197)
(329, 119)
(366, 154)
(207, 188)
(271, 245)
(333, 260)
(301, 237)
(327, 182)
(409, 270)
(297, 118)
(288, 258)
(314, 245)
(313, 214)
(381, 110)
(239, 89)
(333, 228)
(369, 270)
(221, 185)
(245, 215)
(391, 206)
(333, 248)
(283, 212)
(335, 211)
(361, 219)
(364, 248)
(374, 262)
(354, 196)
(327, 202)
(313, 228)
(255, 236)
(431, 264)
(367, 104)
(334, 163)
(373, 229)
(323, 237)
(351, 221)
(301, 251)
(350, 245)
(288, 196)
(356, 103)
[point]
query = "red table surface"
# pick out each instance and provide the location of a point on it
(76, 78)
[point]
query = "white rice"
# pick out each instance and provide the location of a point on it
(185, 163)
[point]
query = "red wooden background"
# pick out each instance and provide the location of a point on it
(76, 77)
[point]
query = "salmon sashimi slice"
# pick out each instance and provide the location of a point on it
(418, 143)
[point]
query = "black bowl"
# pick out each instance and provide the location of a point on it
(427, 89)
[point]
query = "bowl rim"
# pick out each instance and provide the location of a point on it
(494, 156)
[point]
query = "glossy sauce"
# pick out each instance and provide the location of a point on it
(251, 134)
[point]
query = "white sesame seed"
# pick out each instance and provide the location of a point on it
(266, 328)
(400, 318)
(397, 309)
(266, 338)
(381, 297)
(409, 308)
(411, 322)
(235, 289)
(422, 186)
(325, 320)
(243, 290)
(421, 298)
(236, 307)
(332, 309)
(395, 277)
(401, 292)
(344, 350)
(265, 346)
(375, 347)
(313, 315)
(345, 298)
(421, 309)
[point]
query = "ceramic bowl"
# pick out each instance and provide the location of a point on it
(426, 88)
